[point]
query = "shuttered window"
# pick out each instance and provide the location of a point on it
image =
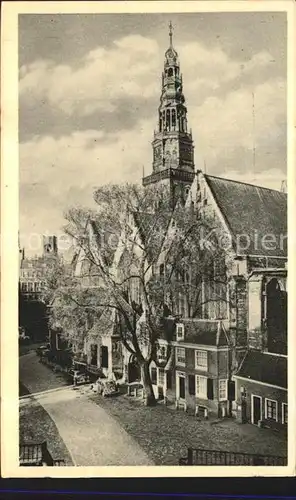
(191, 385)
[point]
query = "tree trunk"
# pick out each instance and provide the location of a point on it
(147, 384)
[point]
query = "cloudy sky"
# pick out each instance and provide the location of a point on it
(90, 87)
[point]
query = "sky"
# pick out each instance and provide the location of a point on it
(89, 89)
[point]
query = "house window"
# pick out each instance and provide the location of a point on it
(161, 378)
(284, 413)
(222, 390)
(180, 331)
(161, 270)
(180, 356)
(154, 376)
(30, 287)
(271, 409)
(162, 353)
(201, 360)
(201, 387)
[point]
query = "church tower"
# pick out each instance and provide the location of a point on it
(173, 150)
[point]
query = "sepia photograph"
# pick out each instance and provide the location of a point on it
(152, 287)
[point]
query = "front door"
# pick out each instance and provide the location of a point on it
(256, 409)
(181, 387)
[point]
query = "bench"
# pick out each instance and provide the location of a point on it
(201, 410)
(180, 404)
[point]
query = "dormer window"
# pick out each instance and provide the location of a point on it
(180, 331)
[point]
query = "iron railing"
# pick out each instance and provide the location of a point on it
(217, 457)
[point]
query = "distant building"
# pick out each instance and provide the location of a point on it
(32, 282)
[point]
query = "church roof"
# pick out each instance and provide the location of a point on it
(252, 212)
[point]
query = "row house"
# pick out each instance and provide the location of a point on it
(197, 375)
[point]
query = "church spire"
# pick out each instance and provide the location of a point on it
(172, 145)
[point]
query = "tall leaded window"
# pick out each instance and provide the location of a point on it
(173, 118)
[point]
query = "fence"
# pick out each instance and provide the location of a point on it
(37, 455)
(217, 457)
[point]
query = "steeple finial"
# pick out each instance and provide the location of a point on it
(171, 33)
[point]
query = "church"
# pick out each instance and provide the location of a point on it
(231, 361)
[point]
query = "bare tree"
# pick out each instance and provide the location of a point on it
(139, 256)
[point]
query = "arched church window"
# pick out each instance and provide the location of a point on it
(170, 72)
(174, 118)
(276, 317)
(168, 116)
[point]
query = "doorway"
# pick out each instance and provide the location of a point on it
(180, 386)
(133, 370)
(256, 409)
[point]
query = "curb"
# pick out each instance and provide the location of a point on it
(48, 391)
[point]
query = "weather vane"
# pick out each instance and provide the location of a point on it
(171, 33)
